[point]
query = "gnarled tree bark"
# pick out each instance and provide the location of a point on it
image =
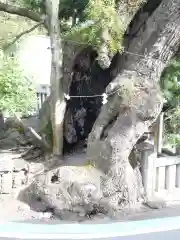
(131, 114)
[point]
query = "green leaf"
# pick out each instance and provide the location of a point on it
(15, 93)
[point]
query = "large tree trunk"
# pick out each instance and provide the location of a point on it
(129, 112)
(58, 104)
(127, 115)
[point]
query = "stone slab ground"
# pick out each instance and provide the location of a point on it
(13, 209)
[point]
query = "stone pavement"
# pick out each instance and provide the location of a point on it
(12, 171)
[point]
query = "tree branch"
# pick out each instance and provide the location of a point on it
(24, 12)
(23, 33)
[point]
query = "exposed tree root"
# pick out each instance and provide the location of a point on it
(33, 153)
(28, 132)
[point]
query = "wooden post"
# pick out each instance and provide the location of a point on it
(147, 170)
(160, 178)
(58, 104)
(159, 134)
(178, 176)
(170, 177)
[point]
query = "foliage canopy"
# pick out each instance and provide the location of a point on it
(170, 84)
(93, 22)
